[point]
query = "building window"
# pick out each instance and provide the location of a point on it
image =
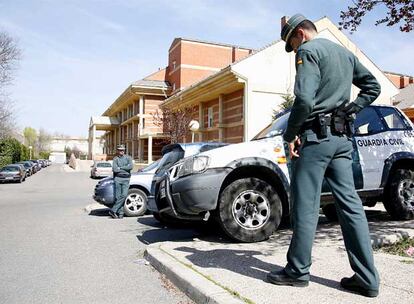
(210, 117)
(174, 63)
(173, 87)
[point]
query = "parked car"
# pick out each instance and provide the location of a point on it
(30, 167)
(27, 168)
(23, 168)
(139, 187)
(101, 169)
(246, 185)
(37, 164)
(12, 173)
(172, 154)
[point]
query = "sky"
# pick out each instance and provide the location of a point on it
(78, 56)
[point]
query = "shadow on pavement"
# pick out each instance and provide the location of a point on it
(100, 212)
(178, 232)
(242, 262)
(379, 221)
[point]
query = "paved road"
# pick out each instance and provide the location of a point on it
(52, 251)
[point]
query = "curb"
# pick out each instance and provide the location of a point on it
(194, 285)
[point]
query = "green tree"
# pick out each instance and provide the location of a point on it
(24, 152)
(286, 104)
(10, 151)
(396, 11)
(30, 137)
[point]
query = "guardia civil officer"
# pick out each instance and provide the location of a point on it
(317, 135)
(121, 168)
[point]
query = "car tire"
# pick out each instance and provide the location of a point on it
(330, 212)
(135, 203)
(399, 195)
(250, 210)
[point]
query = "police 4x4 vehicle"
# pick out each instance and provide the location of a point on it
(245, 186)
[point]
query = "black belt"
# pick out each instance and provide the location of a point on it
(314, 123)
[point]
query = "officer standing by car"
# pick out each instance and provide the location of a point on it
(121, 167)
(318, 138)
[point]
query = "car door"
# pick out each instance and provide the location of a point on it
(379, 133)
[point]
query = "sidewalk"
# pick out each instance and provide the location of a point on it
(211, 269)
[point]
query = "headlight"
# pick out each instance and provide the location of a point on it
(192, 165)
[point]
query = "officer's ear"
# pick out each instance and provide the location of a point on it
(300, 33)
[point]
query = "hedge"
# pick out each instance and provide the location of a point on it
(12, 151)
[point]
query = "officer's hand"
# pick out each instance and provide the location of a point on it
(293, 147)
(351, 108)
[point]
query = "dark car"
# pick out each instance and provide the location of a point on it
(172, 154)
(12, 173)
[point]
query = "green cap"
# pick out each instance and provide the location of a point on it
(120, 147)
(289, 27)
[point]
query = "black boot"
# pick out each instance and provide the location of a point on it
(352, 285)
(282, 278)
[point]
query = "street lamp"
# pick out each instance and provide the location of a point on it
(194, 126)
(30, 152)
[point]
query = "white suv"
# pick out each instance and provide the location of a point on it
(245, 186)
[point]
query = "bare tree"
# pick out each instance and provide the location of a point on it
(9, 56)
(174, 122)
(397, 11)
(43, 141)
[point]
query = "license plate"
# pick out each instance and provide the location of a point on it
(9, 177)
(162, 189)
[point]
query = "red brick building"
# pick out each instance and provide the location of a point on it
(129, 120)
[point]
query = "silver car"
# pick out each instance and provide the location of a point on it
(101, 169)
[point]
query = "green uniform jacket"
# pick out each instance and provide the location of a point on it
(325, 72)
(122, 166)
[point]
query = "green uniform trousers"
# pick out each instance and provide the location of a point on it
(329, 157)
(121, 186)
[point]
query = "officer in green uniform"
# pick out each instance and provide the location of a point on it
(317, 135)
(121, 168)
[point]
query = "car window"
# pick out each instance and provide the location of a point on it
(368, 122)
(104, 165)
(392, 118)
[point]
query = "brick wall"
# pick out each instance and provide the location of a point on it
(192, 61)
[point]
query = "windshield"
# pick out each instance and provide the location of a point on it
(104, 165)
(276, 128)
(170, 159)
(10, 169)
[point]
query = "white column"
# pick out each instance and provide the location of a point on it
(149, 149)
(89, 145)
(200, 121)
(93, 140)
(221, 131)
